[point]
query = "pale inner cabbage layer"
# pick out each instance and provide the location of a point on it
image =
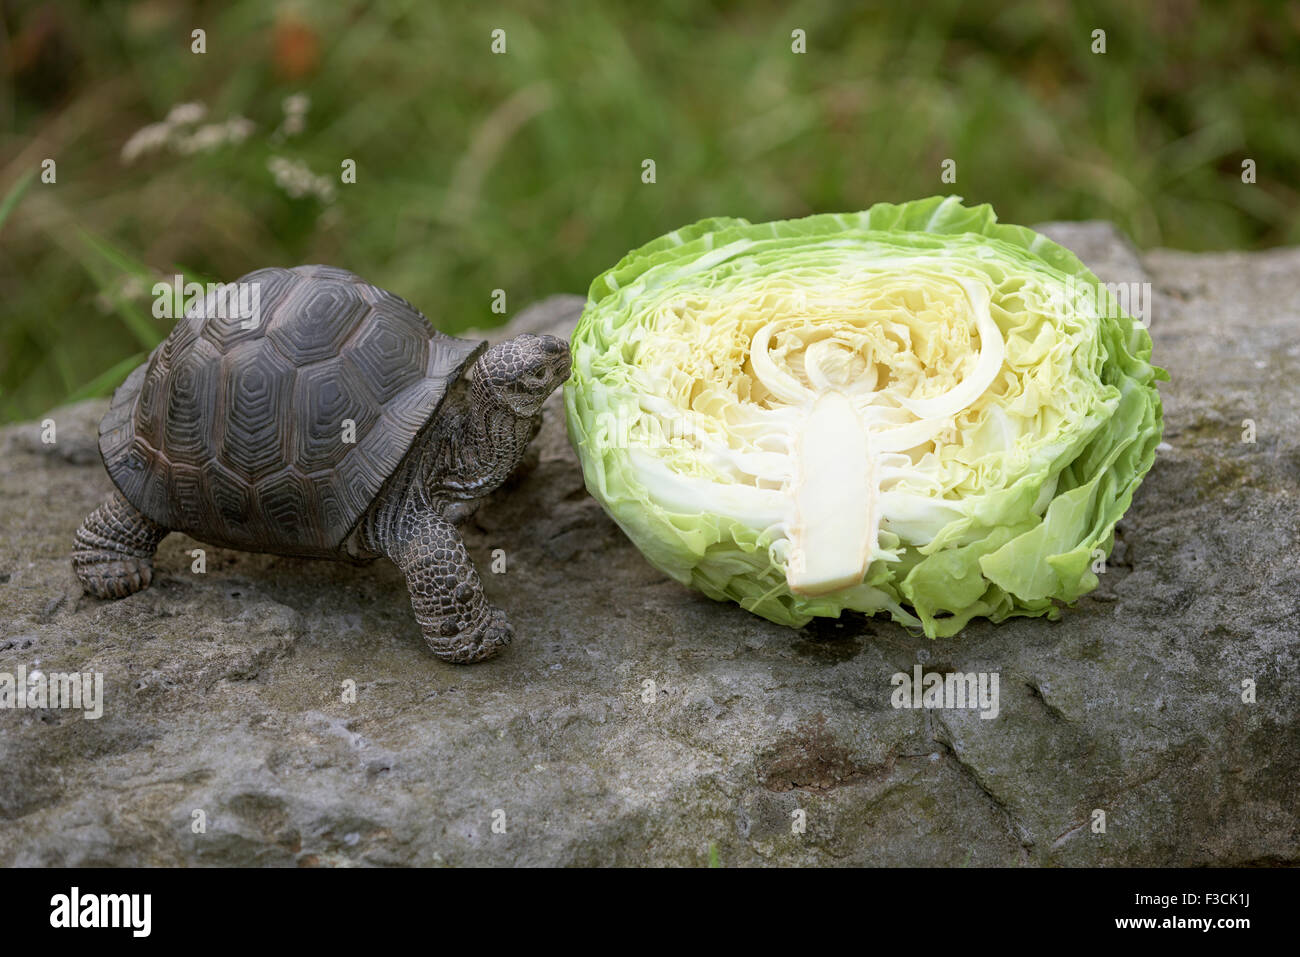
(828, 403)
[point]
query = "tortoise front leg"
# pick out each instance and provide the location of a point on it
(446, 594)
(115, 548)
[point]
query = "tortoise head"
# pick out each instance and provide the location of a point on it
(521, 372)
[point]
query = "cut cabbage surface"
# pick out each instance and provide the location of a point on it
(912, 409)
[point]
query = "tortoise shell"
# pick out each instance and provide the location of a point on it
(236, 436)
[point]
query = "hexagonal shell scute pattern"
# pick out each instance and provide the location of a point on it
(234, 432)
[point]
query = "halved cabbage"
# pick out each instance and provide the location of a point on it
(910, 409)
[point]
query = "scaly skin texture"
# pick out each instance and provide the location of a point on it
(115, 548)
(477, 441)
(471, 451)
(446, 593)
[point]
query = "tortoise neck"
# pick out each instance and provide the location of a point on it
(471, 453)
(482, 448)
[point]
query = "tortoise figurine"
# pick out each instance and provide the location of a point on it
(337, 424)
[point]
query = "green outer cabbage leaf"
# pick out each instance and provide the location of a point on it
(1016, 548)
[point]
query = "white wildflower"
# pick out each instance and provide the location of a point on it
(239, 128)
(295, 116)
(202, 140)
(296, 104)
(297, 180)
(177, 132)
(185, 114)
(147, 139)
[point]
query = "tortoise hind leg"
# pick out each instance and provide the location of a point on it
(115, 548)
(446, 594)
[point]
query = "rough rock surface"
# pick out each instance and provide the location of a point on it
(224, 691)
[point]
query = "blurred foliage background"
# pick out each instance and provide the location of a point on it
(523, 171)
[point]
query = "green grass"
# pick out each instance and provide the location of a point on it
(522, 171)
(15, 194)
